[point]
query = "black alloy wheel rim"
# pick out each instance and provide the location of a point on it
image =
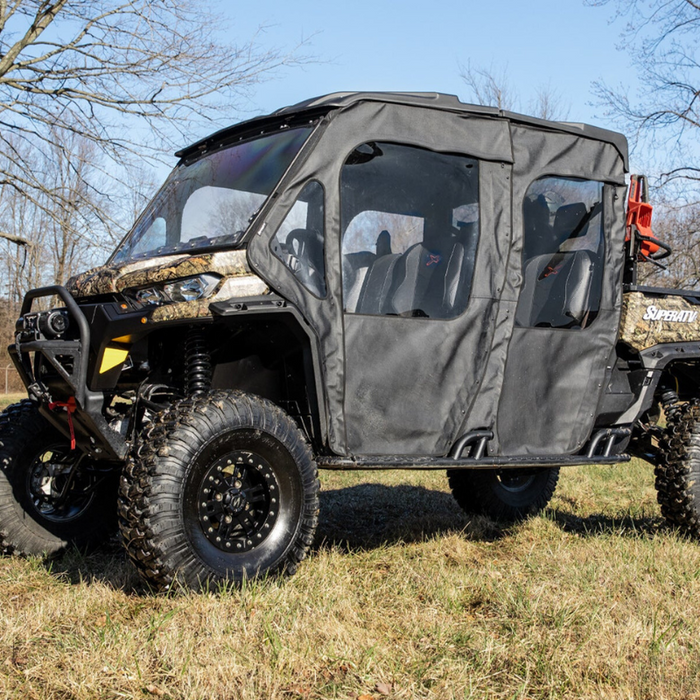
(58, 488)
(515, 483)
(238, 501)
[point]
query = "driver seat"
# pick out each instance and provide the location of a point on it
(305, 258)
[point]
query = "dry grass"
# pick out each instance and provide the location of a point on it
(594, 599)
(7, 399)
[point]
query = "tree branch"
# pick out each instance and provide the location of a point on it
(15, 239)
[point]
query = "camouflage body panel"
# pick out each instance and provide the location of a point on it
(238, 280)
(185, 309)
(651, 319)
(110, 279)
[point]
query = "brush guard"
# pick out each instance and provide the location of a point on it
(83, 423)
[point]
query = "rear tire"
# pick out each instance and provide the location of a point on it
(511, 494)
(224, 488)
(678, 471)
(35, 468)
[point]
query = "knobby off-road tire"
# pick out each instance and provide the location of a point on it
(678, 471)
(35, 461)
(224, 487)
(508, 495)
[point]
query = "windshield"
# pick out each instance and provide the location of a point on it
(212, 201)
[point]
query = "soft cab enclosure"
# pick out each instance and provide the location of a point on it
(460, 269)
(362, 280)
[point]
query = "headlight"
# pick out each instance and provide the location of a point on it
(151, 296)
(191, 289)
(187, 289)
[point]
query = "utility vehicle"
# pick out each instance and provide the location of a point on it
(360, 281)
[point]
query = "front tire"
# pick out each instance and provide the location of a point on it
(509, 494)
(224, 488)
(51, 497)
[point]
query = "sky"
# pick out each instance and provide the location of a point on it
(418, 46)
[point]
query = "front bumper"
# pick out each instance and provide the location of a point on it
(68, 359)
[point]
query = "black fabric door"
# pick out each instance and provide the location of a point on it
(416, 337)
(568, 281)
(415, 241)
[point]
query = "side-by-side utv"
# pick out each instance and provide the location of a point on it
(360, 281)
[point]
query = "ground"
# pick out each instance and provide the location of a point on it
(401, 597)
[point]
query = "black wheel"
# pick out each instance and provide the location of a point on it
(224, 488)
(51, 497)
(509, 494)
(678, 470)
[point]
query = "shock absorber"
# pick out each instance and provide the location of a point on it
(669, 400)
(197, 363)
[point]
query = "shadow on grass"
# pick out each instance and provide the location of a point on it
(106, 564)
(371, 515)
(596, 525)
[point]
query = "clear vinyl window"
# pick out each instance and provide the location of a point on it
(563, 247)
(299, 241)
(410, 227)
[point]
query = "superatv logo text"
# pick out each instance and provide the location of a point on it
(654, 314)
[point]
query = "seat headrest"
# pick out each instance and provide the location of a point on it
(383, 244)
(536, 212)
(296, 238)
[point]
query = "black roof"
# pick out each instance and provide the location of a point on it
(318, 106)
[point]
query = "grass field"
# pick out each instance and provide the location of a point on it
(402, 597)
(7, 399)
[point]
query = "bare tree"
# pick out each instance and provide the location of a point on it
(72, 235)
(661, 37)
(74, 231)
(547, 103)
(489, 86)
(680, 228)
(662, 120)
(127, 76)
(492, 87)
